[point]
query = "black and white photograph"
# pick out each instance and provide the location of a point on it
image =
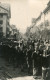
(24, 39)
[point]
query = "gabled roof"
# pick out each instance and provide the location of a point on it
(6, 7)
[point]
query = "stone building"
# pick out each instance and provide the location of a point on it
(14, 32)
(5, 16)
(14, 29)
(42, 21)
(47, 15)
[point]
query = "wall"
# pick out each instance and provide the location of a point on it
(4, 24)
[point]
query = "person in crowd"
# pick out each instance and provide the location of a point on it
(35, 62)
(29, 60)
(45, 62)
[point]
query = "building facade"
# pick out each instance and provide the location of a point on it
(14, 32)
(5, 16)
(47, 15)
(42, 21)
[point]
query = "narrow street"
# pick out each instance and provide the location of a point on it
(24, 39)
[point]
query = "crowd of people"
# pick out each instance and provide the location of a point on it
(33, 57)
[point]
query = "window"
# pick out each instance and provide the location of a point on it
(8, 23)
(1, 29)
(1, 22)
(1, 15)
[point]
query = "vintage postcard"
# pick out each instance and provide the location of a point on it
(24, 39)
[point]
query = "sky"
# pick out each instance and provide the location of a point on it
(22, 11)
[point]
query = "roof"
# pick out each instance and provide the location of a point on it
(47, 8)
(13, 27)
(6, 7)
(39, 17)
(48, 3)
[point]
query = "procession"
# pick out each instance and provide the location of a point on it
(33, 57)
(25, 40)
